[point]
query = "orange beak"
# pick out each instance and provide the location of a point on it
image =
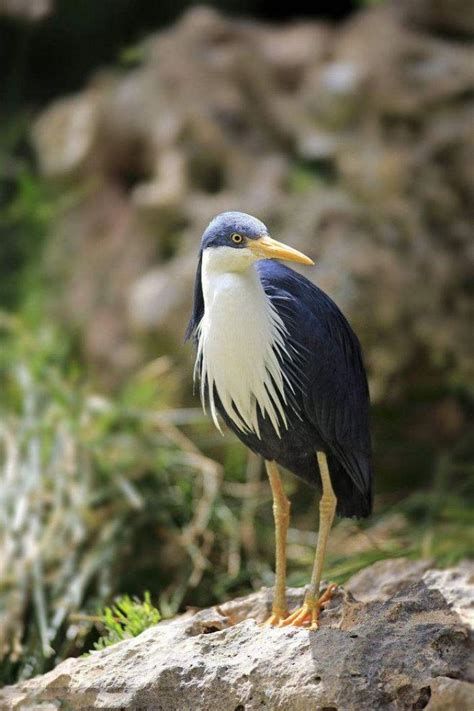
(269, 248)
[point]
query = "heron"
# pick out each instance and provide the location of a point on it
(279, 364)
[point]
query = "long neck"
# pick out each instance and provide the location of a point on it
(218, 282)
(240, 337)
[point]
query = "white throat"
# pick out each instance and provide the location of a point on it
(240, 344)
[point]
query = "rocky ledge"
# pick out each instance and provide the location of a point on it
(397, 636)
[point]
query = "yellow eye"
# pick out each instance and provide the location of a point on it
(236, 238)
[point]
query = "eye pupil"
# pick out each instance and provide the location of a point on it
(235, 237)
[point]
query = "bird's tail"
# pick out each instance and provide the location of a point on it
(351, 502)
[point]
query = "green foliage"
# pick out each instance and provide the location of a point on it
(132, 56)
(111, 490)
(26, 212)
(79, 475)
(127, 617)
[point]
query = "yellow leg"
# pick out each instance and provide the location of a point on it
(281, 513)
(309, 612)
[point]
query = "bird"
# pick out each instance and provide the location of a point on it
(279, 364)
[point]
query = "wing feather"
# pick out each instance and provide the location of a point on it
(333, 395)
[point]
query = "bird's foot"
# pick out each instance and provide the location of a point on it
(308, 614)
(276, 618)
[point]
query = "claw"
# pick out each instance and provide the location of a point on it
(275, 619)
(305, 616)
(308, 614)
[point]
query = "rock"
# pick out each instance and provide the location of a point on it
(457, 585)
(335, 93)
(159, 295)
(450, 694)
(384, 578)
(403, 649)
(66, 133)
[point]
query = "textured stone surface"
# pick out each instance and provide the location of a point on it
(383, 579)
(410, 650)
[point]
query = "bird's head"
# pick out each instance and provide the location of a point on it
(237, 240)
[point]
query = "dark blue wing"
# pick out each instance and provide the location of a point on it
(334, 395)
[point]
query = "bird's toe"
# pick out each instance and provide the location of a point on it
(275, 619)
(308, 614)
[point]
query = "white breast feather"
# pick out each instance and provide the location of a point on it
(241, 339)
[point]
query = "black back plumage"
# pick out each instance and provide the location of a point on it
(327, 393)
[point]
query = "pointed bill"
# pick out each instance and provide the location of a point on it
(268, 248)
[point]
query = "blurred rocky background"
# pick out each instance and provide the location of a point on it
(125, 128)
